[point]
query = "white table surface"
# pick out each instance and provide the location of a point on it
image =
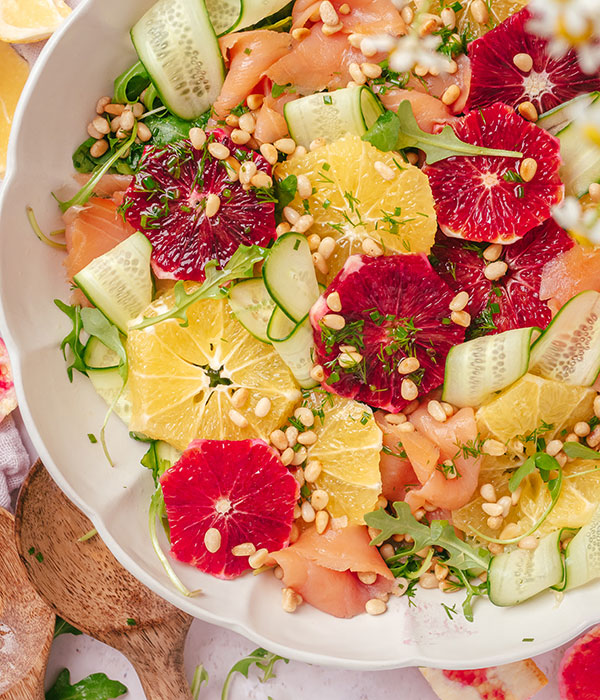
(218, 649)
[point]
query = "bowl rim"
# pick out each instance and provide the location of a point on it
(166, 592)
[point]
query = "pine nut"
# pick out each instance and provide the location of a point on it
(387, 551)
(291, 215)
(406, 428)
(247, 171)
(287, 146)
(114, 109)
(448, 17)
(269, 153)
(523, 62)
(528, 169)
(571, 437)
(593, 439)
(594, 192)
(367, 577)
(279, 440)
(368, 48)
(300, 33)
(101, 125)
(373, 532)
(479, 12)
(384, 170)
(212, 540)
(461, 318)
(554, 447)
(349, 359)
(407, 14)
(291, 435)
(355, 39)
(321, 521)
(138, 109)
(294, 533)
(314, 241)
(213, 204)
(317, 373)
(261, 180)
(93, 132)
(530, 542)
(375, 606)
(495, 448)
(459, 302)
(240, 137)
(247, 123)
(304, 187)
(317, 143)
(334, 321)
(256, 560)
(290, 600)
(127, 120)
(197, 137)
(245, 549)
(371, 70)
(495, 270)
(516, 495)
(305, 416)
(304, 223)
(319, 499)
(101, 104)
(451, 94)
(510, 531)
(356, 74)
(144, 133)
(492, 509)
(99, 148)
(408, 365)
(448, 409)
(328, 14)
(344, 9)
(495, 522)
(263, 407)
(282, 228)
(122, 134)
(452, 67)
(218, 150)
(395, 418)
(506, 503)
(287, 456)
(428, 580)
(409, 389)
(334, 302)
(308, 512)
(371, 248)
(495, 548)
(308, 437)
(299, 458)
(562, 458)
(597, 406)
(232, 120)
(240, 397)
(428, 25)
(488, 493)
(528, 111)
(582, 429)
(312, 471)
(435, 410)
(492, 252)
(237, 418)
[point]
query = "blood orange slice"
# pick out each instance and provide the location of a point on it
(391, 308)
(495, 77)
(513, 300)
(240, 491)
(578, 674)
(484, 198)
(167, 201)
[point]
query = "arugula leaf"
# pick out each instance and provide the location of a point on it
(576, 450)
(168, 128)
(240, 266)
(71, 340)
(541, 461)
(63, 627)
(408, 134)
(285, 191)
(95, 687)
(440, 533)
(263, 659)
(131, 83)
(95, 323)
(152, 461)
(200, 677)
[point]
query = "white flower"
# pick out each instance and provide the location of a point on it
(569, 24)
(584, 223)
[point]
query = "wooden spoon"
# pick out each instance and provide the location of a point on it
(88, 588)
(26, 624)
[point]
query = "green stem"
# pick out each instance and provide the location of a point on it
(39, 233)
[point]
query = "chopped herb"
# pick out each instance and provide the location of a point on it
(31, 551)
(527, 639)
(327, 100)
(40, 557)
(131, 622)
(450, 610)
(278, 90)
(520, 192)
(247, 51)
(92, 438)
(263, 660)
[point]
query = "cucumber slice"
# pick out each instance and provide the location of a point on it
(224, 15)
(108, 384)
(119, 283)
(179, 49)
(167, 453)
(253, 307)
(254, 11)
(556, 119)
(569, 350)
(295, 345)
(479, 367)
(581, 162)
(518, 575)
(289, 276)
(97, 356)
(583, 554)
(325, 115)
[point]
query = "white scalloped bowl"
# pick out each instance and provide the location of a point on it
(75, 69)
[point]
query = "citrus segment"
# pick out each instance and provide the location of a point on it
(352, 201)
(532, 401)
(24, 21)
(12, 79)
(182, 379)
(348, 445)
(498, 11)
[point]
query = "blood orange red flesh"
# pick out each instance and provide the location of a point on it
(393, 307)
(483, 198)
(167, 202)
(579, 672)
(241, 489)
(495, 77)
(513, 301)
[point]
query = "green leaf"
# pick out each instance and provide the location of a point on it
(436, 146)
(63, 627)
(71, 340)
(575, 450)
(152, 461)
(130, 84)
(240, 266)
(285, 191)
(440, 533)
(200, 677)
(95, 323)
(95, 687)
(263, 659)
(384, 133)
(168, 128)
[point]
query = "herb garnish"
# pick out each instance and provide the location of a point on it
(261, 658)
(95, 687)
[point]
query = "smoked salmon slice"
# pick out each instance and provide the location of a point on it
(396, 470)
(365, 16)
(430, 112)
(569, 273)
(322, 569)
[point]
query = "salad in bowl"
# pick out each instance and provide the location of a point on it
(333, 264)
